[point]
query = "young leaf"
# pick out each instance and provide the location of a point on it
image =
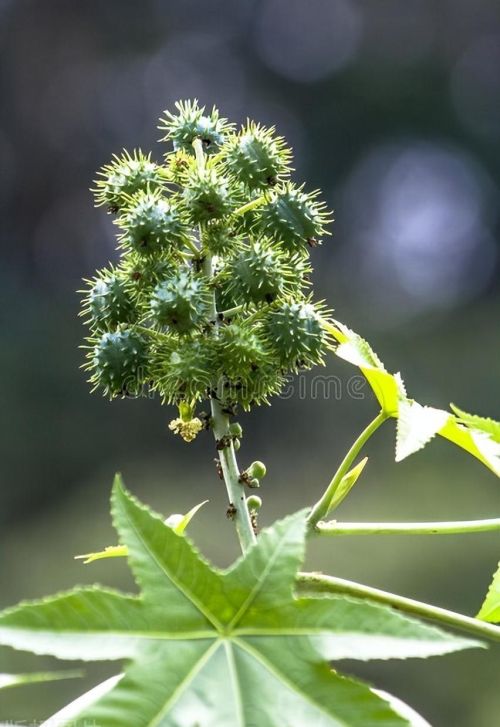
(416, 426)
(346, 484)
(388, 388)
(474, 441)
(483, 424)
(228, 648)
(110, 551)
(177, 522)
(490, 610)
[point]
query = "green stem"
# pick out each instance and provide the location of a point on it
(322, 507)
(220, 421)
(250, 206)
(435, 528)
(230, 470)
(316, 583)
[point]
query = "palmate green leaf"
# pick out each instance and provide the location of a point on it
(217, 648)
(490, 610)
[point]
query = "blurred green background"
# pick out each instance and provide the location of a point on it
(393, 109)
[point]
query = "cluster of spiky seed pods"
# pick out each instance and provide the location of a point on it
(210, 297)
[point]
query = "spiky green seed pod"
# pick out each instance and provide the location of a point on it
(181, 302)
(257, 157)
(151, 224)
(185, 371)
(180, 165)
(110, 302)
(190, 123)
(241, 349)
(292, 217)
(256, 388)
(220, 238)
(296, 334)
(261, 271)
(206, 196)
(145, 272)
(124, 176)
(119, 363)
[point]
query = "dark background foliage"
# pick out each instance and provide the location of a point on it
(393, 109)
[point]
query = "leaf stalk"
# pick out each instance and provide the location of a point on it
(321, 509)
(315, 584)
(424, 528)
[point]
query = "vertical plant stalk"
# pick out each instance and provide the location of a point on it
(230, 470)
(220, 421)
(322, 507)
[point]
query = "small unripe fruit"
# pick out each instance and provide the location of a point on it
(187, 372)
(235, 430)
(256, 157)
(236, 444)
(257, 273)
(119, 362)
(180, 302)
(241, 349)
(220, 239)
(151, 224)
(254, 502)
(110, 303)
(293, 218)
(126, 175)
(257, 469)
(296, 333)
(206, 196)
(190, 123)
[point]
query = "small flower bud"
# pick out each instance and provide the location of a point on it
(257, 469)
(254, 502)
(235, 430)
